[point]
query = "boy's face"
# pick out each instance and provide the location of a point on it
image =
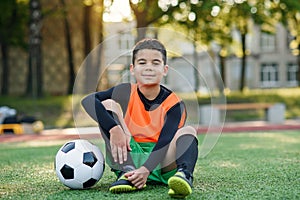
(148, 67)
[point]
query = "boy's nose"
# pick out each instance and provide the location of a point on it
(149, 67)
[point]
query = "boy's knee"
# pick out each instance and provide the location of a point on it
(113, 106)
(186, 130)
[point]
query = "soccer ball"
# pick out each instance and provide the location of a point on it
(79, 164)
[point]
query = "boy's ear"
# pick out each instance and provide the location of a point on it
(166, 69)
(131, 69)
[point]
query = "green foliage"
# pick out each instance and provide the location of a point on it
(13, 22)
(53, 111)
(289, 11)
(241, 166)
(289, 97)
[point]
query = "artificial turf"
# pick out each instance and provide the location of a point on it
(257, 165)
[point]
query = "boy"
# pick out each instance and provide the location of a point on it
(143, 127)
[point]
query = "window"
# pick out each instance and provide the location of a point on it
(126, 42)
(269, 75)
(292, 70)
(267, 42)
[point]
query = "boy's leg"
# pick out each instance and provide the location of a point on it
(121, 184)
(116, 112)
(182, 154)
(183, 142)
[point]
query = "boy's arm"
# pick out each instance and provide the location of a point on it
(94, 107)
(167, 134)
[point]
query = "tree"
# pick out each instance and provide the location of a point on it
(147, 12)
(221, 27)
(241, 13)
(13, 21)
(69, 48)
(35, 77)
(99, 62)
(197, 20)
(93, 13)
(289, 13)
(211, 29)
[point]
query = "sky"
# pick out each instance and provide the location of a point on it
(120, 9)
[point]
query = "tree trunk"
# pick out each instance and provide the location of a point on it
(35, 76)
(87, 29)
(68, 48)
(39, 71)
(298, 60)
(29, 85)
(103, 83)
(5, 69)
(243, 71)
(141, 25)
(91, 75)
(196, 65)
(222, 71)
(141, 32)
(141, 21)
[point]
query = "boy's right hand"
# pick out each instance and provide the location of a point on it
(119, 143)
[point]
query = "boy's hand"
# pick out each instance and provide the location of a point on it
(119, 144)
(138, 177)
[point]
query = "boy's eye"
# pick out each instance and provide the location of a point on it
(144, 62)
(141, 62)
(156, 62)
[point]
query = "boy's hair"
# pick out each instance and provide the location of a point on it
(150, 44)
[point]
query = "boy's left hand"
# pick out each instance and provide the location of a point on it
(138, 177)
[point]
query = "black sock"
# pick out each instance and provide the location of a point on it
(186, 153)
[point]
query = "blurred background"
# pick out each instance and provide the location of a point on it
(248, 50)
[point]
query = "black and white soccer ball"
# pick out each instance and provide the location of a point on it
(79, 164)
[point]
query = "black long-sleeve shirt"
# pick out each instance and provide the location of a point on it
(121, 94)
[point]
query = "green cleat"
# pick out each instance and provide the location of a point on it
(122, 185)
(180, 185)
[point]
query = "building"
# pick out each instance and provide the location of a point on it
(270, 63)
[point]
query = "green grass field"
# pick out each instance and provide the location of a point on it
(259, 165)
